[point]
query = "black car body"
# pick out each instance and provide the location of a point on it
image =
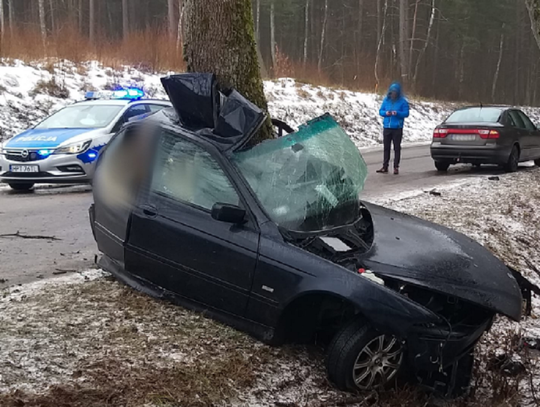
(274, 240)
(486, 135)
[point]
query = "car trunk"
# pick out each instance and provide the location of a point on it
(467, 134)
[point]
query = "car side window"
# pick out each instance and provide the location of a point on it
(156, 108)
(528, 124)
(133, 111)
(516, 118)
(185, 172)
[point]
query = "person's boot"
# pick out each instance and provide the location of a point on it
(396, 171)
(383, 170)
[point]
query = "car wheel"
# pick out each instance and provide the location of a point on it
(442, 166)
(362, 359)
(21, 186)
(513, 161)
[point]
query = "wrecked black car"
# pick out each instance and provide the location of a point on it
(274, 240)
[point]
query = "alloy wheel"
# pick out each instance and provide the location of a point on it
(377, 363)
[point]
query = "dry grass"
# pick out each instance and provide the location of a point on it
(51, 87)
(149, 50)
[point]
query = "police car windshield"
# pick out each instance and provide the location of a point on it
(81, 117)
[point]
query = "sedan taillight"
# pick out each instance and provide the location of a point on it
(489, 134)
(440, 133)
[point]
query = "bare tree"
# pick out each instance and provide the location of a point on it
(306, 31)
(403, 38)
(125, 18)
(179, 34)
(92, 21)
(427, 42)
(379, 45)
(42, 22)
(413, 37)
(11, 18)
(51, 11)
(496, 76)
(323, 35)
(2, 21)
(225, 47)
(360, 22)
(258, 23)
(273, 34)
(172, 19)
(534, 13)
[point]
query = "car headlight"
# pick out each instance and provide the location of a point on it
(74, 148)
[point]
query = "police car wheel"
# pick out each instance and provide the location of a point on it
(21, 186)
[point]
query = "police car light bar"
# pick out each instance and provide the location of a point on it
(130, 94)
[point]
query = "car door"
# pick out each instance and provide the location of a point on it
(174, 241)
(521, 134)
(533, 137)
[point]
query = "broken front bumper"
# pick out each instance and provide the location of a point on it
(435, 352)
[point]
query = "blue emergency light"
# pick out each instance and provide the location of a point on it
(129, 94)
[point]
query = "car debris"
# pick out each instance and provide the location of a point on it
(494, 178)
(527, 289)
(274, 240)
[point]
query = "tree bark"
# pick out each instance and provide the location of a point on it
(360, 23)
(172, 19)
(220, 38)
(42, 23)
(379, 21)
(323, 36)
(53, 22)
(92, 21)
(179, 33)
(125, 18)
(258, 23)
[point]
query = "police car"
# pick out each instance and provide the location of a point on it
(64, 147)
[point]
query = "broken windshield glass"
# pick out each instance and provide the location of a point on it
(307, 181)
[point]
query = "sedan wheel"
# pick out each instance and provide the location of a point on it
(361, 358)
(378, 363)
(442, 166)
(513, 160)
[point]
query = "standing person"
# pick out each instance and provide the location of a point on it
(394, 109)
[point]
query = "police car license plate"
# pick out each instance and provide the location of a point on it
(24, 168)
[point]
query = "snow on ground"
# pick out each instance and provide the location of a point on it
(25, 99)
(86, 340)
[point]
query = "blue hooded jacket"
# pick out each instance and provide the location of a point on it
(400, 106)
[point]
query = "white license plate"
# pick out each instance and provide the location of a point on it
(463, 137)
(24, 168)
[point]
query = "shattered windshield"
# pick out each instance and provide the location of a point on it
(307, 181)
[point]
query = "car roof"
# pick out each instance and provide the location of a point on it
(120, 102)
(500, 107)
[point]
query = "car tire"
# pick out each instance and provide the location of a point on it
(442, 166)
(362, 359)
(537, 162)
(21, 186)
(513, 160)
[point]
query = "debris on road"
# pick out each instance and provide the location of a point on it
(18, 234)
(494, 178)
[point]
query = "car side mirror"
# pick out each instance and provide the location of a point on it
(228, 213)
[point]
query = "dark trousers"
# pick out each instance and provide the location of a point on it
(392, 136)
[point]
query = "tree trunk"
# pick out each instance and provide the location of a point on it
(172, 20)
(258, 23)
(461, 70)
(403, 39)
(413, 38)
(273, 36)
(360, 23)
(92, 22)
(306, 32)
(323, 36)
(219, 38)
(534, 14)
(426, 44)
(125, 18)
(53, 22)
(496, 76)
(379, 21)
(179, 33)
(379, 46)
(42, 23)
(11, 17)
(2, 22)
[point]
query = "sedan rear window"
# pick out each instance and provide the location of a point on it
(476, 115)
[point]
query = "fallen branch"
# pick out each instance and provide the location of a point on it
(30, 237)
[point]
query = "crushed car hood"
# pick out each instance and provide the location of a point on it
(421, 253)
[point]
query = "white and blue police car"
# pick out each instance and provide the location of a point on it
(64, 147)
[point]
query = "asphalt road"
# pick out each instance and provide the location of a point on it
(46, 232)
